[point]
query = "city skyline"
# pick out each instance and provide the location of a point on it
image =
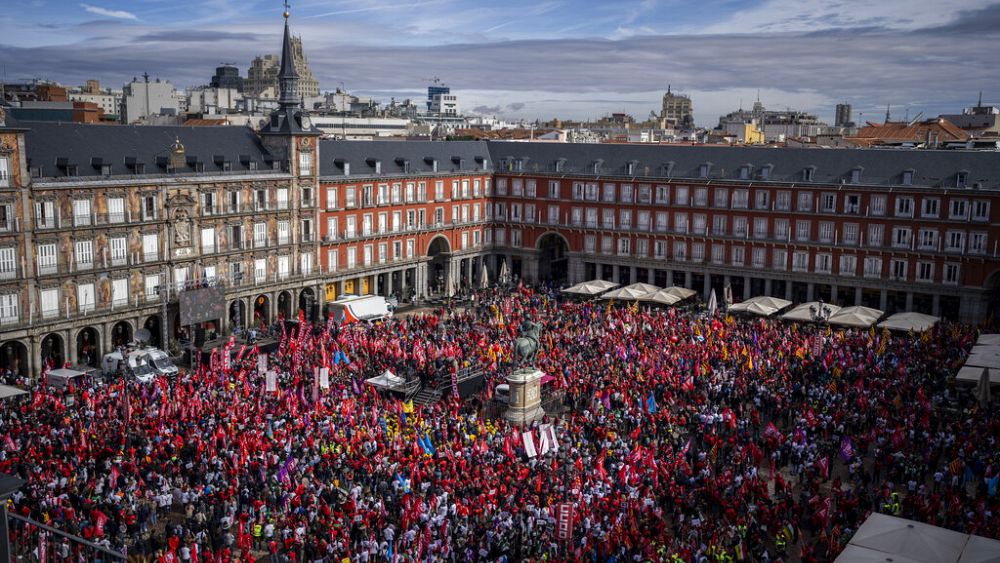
(552, 59)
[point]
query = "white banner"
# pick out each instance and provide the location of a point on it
(261, 363)
(547, 437)
(529, 444)
(324, 378)
(272, 382)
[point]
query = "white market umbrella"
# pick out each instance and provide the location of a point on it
(988, 340)
(857, 554)
(856, 317)
(762, 305)
(484, 277)
(907, 538)
(590, 288)
(713, 303)
(983, 388)
(905, 322)
(981, 550)
(504, 277)
(803, 312)
(668, 296)
(631, 292)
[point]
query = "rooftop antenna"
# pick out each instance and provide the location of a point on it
(980, 103)
(887, 115)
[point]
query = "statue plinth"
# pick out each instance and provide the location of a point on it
(525, 404)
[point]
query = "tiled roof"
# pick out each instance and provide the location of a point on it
(402, 157)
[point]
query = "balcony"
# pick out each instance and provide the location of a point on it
(82, 220)
(47, 269)
(10, 320)
(150, 256)
(283, 240)
(208, 249)
(84, 265)
(307, 237)
(8, 274)
(45, 222)
(116, 218)
(260, 242)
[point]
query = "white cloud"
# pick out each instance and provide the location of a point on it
(120, 14)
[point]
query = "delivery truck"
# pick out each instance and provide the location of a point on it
(360, 308)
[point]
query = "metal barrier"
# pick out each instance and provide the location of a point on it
(34, 542)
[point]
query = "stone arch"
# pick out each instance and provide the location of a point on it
(121, 333)
(53, 350)
(154, 325)
(439, 267)
(14, 357)
(238, 313)
(308, 303)
(88, 347)
(553, 257)
(285, 306)
(261, 310)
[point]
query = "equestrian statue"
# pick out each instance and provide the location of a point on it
(527, 344)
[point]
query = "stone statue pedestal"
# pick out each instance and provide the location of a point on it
(525, 404)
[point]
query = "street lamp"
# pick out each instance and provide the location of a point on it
(820, 314)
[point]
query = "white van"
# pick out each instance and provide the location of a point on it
(360, 308)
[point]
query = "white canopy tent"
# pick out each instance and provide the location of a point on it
(916, 322)
(590, 288)
(988, 340)
(804, 313)
(907, 538)
(856, 317)
(631, 292)
(8, 391)
(762, 305)
(972, 374)
(387, 381)
(888, 538)
(668, 296)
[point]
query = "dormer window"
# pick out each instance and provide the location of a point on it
(856, 175)
(765, 171)
(908, 177)
(560, 164)
(459, 161)
(962, 179)
(597, 166)
(808, 173)
(745, 171)
(703, 170)
(519, 165)
(630, 167)
(105, 170)
(667, 168)
(432, 162)
(375, 164)
(404, 164)
(344, 165)
(484, 163)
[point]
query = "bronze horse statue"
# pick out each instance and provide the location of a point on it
(527, 344)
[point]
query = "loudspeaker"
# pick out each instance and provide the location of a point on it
(199, 337)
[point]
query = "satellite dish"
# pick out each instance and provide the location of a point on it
(143, 335)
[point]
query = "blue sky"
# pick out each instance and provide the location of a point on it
(543, 58)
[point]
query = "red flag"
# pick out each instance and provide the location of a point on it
(824, 467)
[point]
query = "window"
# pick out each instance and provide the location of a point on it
(721, 198)
(907, 177)
(959, 209)
(824, 263)
(703, 171)
(181, 276)
(208, 240)
(259, 235)
(873, 267)
(740, 199)
(961, 179)
(660, 249)
(531, 188)
(828, 202)
(149, 208)
(765, 172)
(701, 197)
(644, 193)
(578, 190)
(367, 194)
(305, 164)
(928, 239)
(47, 261)
(800, 261)
(84, 254)
(681, 223)
(517, 188)
(808, 173)
(591, 217)
(283, 267)
(856, 176)
(116, 210)
(805, 201)
(642, 248)
(85, 297)
(285, 234)
(81, 212)
(759, 257)
(624, 246)
(901, 237)
(208, 203)
(718, 254)
(904, 206)
(8, 263)
(740, 227)
(852, 204)
(234, 201)
(609, 193)
(850, 234)
(848, 265)
(366, 224)
(826, 231)
(663, 194)
(590, 244)
(209, 273)
(897, 269)
(281, 195)
(925, 271)
(680, 251)
(681, 195)
(929, 207)
(803, 230)
(411, 245)
(980, 210)
(369, 254)
(719, 225)
(397, 250)
(876, 205)
(745, 172)
(45, 215)
(627, 193)
(783, 201)
(977, 243)
(779, 259)
(10, 308)
(350, 195)
(700, 224)
(331, 198)
(606, 244)
(590, 192)
(761, 198)
(260, 270)
(955, 241)
(553, 189)
(875, 235)
(4, 172)
(739, 256)
(625, 219)
(662, 221)
(119, 251)
(151, 247)
(152, 286)
(397, 192)
(553, 214)
(50, 303)
(781, 230)
(951, 274)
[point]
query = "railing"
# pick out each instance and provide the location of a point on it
(28, 537)
(8, 274)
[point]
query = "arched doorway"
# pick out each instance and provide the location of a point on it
(261, 310)
(553, 260)
(992, 286)
(88, 347)
(439, 252)
(285, 306)
(53, 351)
(14, 357)
(238, 314)
(307, 303)
(121, 334)
(154, 325)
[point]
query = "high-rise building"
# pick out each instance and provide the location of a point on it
(844, 117)
(262, 76)
(227, 76)
(436, 89)
(678, 109)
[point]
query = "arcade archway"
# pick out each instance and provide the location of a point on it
(14, 357)
(53, 351)
(121, 334)
(553, 259)
(154, 325)
(261, 310)
(238, 314)
(307, 303)
(439, 252)
(285, 306)
(88, 347)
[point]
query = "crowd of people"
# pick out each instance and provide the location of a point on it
(682, 437)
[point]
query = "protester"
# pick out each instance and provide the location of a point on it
(684, 437)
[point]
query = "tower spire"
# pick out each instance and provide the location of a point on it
(980, 103)
(288, 77)
(888, 116)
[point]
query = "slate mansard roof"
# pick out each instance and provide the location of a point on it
(340, 159)
(878, 167)
(63, 150)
